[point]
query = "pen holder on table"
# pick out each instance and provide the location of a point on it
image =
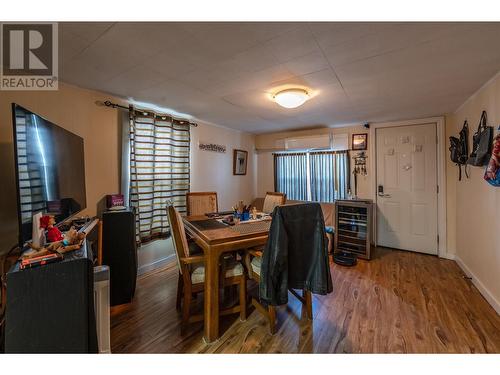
(243, 216)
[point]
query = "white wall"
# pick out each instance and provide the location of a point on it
(212, 171)
(474, 205)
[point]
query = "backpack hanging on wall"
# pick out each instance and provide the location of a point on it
(492, 173)
(459, 149)
(481, 143)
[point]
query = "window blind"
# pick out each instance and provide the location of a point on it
(321, 176)
(330, 173)
(291, 175)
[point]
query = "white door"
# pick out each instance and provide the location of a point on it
(407, 188)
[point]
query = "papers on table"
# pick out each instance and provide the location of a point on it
(263, 217)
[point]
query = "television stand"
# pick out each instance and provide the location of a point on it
(50, 309)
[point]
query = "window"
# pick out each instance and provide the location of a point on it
(321, 176)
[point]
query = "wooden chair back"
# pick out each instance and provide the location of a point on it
(200, 203)
(272, 200)
(178, 235)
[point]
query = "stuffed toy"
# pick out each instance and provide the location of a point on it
(72, 240)
(48, 222)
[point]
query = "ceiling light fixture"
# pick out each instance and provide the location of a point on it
(291, 98)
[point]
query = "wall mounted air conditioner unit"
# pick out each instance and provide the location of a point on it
(279, 144)
(321, 141)
(340, 142)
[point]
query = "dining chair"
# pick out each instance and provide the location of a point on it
(200, 203)
(253, 262)
(191, 278)
(272, 200)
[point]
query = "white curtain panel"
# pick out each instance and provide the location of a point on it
(159, 171)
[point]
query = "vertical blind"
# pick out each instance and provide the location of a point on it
(159, 171)
(329, 175)
(316, 176)
(291, 175)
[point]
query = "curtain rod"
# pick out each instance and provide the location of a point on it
(303, 152)
(110, 104)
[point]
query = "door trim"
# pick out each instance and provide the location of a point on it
(441, 173)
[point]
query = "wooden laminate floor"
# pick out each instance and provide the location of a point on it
(399, 302)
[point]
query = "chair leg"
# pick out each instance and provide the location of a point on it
(228, 293)
(243, 298)
(186, 306)
(308, 299)
(180, 285)
(271, 310)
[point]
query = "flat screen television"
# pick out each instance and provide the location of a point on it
(50, 170)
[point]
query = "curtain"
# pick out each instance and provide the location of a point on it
(159, 170)
(330, 174)
(290, 175)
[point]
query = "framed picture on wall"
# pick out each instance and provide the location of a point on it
(360, 142)
(240, 162)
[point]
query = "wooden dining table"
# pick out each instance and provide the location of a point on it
(216, 238)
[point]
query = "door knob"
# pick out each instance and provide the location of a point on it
(381, 192)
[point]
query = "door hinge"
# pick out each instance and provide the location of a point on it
(438, 238)
(437, 189)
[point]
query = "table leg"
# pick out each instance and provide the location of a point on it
(211, 296)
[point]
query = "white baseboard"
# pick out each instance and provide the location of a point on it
(155, 265)
(479, 285)
(449, 256)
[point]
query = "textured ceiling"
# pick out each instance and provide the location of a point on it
(225, 73)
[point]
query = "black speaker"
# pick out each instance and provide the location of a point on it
(119, 252)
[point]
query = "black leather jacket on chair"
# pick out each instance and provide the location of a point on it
(296, 254)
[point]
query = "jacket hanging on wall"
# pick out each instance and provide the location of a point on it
(481, 143)
(492, 174)
(459, 150)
